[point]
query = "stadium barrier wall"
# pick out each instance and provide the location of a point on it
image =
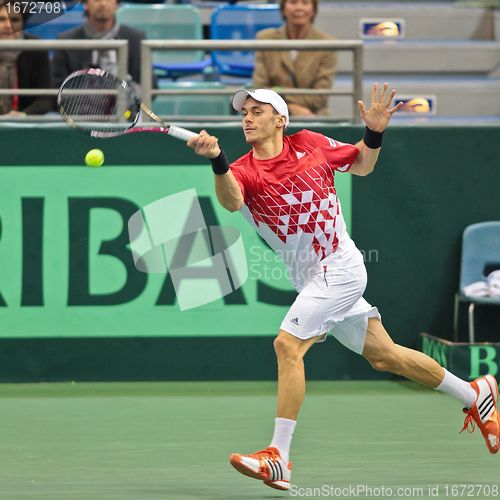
(467, 361)
(73, 306)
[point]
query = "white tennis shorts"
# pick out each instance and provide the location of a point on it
(333, 301)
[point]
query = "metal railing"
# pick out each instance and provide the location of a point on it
(355, 46)
(121, 46)
(147, 46)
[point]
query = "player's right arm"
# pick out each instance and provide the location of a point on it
(227, 189)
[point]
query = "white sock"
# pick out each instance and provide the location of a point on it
(458, 388)
(282, 437)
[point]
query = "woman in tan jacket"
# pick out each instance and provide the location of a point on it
(296, 69)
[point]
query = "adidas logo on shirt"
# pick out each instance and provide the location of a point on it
(300, 154)
(295, 321)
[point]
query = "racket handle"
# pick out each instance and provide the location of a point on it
(181, 133)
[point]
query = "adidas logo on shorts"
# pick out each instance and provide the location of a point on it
(295, 321)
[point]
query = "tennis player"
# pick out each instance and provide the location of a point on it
(285, 187)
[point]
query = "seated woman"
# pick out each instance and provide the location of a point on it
(22, 69)
(296, 69)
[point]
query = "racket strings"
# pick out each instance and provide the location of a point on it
(98, 103)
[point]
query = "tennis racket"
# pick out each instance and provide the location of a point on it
(101, 105)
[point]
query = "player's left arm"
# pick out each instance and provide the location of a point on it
(376, 119)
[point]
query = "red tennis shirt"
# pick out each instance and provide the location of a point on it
(292, 202)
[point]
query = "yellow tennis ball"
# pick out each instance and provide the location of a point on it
(94, 158)
(127, 114)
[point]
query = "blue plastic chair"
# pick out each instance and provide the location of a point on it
(240, 22)
(169, 22)
(480, 248)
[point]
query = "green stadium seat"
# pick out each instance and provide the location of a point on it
(168, 22)
(192, 105)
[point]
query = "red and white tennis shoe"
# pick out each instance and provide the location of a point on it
(484, 412)
(266, 465)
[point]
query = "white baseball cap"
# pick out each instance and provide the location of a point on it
(262, 95)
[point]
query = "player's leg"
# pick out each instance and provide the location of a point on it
(272, 464)
(331, 294)
(384, 355)
(290, 352)
(479, 397)
(327, 295)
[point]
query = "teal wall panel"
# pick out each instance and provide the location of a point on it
(407, 218)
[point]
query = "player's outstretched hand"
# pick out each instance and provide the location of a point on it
(205, 145)
(378, 116)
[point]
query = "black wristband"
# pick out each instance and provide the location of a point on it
(373, 140)
(220, 165)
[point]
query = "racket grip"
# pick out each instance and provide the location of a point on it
(181, 133)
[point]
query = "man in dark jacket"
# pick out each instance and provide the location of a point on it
(100, 24)
(22, 69)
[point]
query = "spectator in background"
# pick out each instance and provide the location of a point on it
(296, 69)
(22, 69)
(100, 24)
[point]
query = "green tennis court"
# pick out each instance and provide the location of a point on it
(73, 306)
(172, 440)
